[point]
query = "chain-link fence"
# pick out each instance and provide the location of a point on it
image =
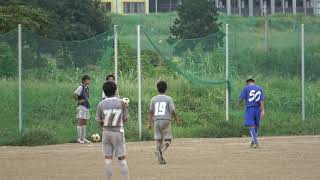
(205, 76)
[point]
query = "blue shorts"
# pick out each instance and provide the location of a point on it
(252, 116)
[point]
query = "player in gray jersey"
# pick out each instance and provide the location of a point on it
(112, 114)
(161, 110)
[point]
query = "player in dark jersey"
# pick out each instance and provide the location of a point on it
(81, 95)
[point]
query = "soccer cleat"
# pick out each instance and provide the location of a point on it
(86, 140)
(255, 146)
(163, 161)
(80, 141)
(251, 144)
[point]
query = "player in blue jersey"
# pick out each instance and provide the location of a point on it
(254, 97)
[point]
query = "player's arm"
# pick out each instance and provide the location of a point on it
(262, 105)
(239, 103)
(99, 116)
(262, 109)
(150, 115)
(241, 98)
(125, 112)
(77, 94)
(175, 116)
(174, 112)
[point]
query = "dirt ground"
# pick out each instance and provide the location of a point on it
(279, 158)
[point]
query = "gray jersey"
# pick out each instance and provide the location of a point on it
(161, 106)
(111, 112)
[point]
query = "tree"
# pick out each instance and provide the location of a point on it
(195, 19)
(68, 19)
(8, 63)
(35, 19)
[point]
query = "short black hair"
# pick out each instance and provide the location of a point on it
(250, 80)
(109, 76)
(85, 77)
(109, 88)
(162, 86)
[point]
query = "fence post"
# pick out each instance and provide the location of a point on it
(302, 72)
(139, 78)
(20, 75)
(227, 72)
(115, 44)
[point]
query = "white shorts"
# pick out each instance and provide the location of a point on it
(113, 142)
(83, 113)
(162, 130)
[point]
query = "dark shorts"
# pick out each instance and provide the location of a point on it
(252, 116)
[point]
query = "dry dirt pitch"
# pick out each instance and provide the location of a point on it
(279, 158)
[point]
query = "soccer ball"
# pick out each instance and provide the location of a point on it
(126, 100)
(95, 137)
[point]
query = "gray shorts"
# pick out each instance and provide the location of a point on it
(83, 112)
(113, 142)
(162, 130)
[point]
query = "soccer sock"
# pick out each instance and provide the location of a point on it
(253, 135)
(79, 130)
(108, 163)
(124, 169)
(84, 132)
(257, 131)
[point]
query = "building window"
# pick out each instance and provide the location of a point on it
(106, 6)
(133, 7)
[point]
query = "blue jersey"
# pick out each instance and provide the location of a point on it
(253, 95)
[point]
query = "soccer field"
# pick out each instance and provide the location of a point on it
(279, 158)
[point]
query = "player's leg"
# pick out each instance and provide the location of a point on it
(124, 170)
(120, 151)
(86, 115)
(167, 135)
(257, 123)
(250, 124)
(159, 140)
(80, 131)
(107, 150)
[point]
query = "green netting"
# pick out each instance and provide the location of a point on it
(195, 72)
(52, 71)
(273, 59)
(312, 70)
(9, 86)
(194, 69)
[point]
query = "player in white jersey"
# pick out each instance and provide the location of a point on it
(161, 110)
(112, 114)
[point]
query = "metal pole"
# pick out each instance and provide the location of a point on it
(139, 78)
(156, 3)
(239, 7)
(294, 6)
(20, 75)
(227, 72)
(228, 7)
(305, 6)
(250, 7)
(283, 7)
(302, 72)
(115, 53)
(266, 26)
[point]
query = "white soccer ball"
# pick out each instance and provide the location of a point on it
(126, 100)
(95, 137)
